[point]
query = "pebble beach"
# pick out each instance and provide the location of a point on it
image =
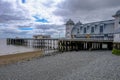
(82, 65)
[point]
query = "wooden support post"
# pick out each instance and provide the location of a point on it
(53, 45)
(76, 45)
(70, 46)
(93, 45)
(110, 46)
(58, 45)
(62, 46)
(90, 46)
(97, 46)
(82, 45)
(100, 46)
(67, 46)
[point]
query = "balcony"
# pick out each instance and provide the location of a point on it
(94, 37)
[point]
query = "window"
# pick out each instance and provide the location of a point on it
(84, 30)
(88, 27)
(77, 30)
(68, 33)
(80, 28)
(101, 29)
(92, 29)
(95, 26)
(105, 35)
(104, 26)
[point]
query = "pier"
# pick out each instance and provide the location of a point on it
(63, 45)
(35, 43)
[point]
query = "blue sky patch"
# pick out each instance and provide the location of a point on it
(38, 19)
(26, 28)
(23, 1)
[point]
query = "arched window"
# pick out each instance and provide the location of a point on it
(80, 28)
(101, 29)
(95, 26)
(84, 30)
(77, 30)
(88, 27)
(92, 29)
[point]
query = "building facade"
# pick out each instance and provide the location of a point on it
(95, 30)
(106, 30)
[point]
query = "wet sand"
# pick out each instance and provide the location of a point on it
(12, 58)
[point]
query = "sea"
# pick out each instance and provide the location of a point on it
(12, 49)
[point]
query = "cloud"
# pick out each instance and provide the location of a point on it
(88, 4)
(12, 30)
(87, 10)
(50, 26)
(49, 3)
(30, 17)
(18, 17)
(50, 29)
(12, 11)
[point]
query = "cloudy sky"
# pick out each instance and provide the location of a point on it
(24, 18)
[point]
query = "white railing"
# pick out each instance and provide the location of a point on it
(95, 39)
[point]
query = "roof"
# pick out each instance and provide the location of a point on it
(79, 23)
(117, 13)
(99, 22)
(70, 22)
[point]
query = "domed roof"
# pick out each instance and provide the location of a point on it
(79, 23)
(117, 13)
(69, 22)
